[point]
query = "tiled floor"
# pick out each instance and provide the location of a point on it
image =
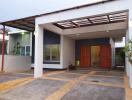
(70, 85)
(9, 77)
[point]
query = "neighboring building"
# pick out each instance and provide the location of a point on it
(17, 52)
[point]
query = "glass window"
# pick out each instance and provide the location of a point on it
(23, 51)
(52, 53)
(47, 53)
(55, 52)
(27, 50)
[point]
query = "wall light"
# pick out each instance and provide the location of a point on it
(22, 33)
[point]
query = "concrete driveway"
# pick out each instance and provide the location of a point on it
(65, 85)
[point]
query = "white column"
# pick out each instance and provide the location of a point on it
(38, 65)
(130, 37)
(126, 58)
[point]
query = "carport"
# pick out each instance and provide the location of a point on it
(22, 24)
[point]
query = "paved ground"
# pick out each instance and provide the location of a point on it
(9, 76)
(63, 85)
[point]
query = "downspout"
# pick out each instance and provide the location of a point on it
(3, 49)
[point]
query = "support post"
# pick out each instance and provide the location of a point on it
(3, 49)
(130, 38)
(126, 58)
(38, 66)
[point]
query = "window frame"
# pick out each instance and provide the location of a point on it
(51, 59)
(25, 52)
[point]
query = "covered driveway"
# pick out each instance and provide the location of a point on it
(84, 22)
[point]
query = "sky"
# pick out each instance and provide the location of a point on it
(15, 9)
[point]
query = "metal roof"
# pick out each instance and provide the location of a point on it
(96, 20)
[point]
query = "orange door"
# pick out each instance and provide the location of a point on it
(105, 56)
(85, 59)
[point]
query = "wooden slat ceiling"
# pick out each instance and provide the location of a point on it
(90, 21)
(24, 24)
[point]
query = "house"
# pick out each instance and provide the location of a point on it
(84, 34)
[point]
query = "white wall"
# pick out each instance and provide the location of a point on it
(130, 38)
(16, 63)
(120, 43)
(113, 51)
(68, 51)
(86, 11)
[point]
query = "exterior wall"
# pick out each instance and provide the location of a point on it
(16, 63)
(51, 37)
(126, 58)
(68, 51)
(112, 51)
(81, 42)
(130, 37)
(86, 11)
(119, 44)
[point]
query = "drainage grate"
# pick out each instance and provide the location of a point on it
(95, 81)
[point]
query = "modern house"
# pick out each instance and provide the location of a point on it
(82, 34)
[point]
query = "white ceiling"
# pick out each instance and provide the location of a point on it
(113, 30)
(101, 34)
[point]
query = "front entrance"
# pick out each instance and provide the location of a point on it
(85, 60)
(95, 56)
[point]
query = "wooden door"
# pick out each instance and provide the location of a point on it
(105, 56)
(85, 56)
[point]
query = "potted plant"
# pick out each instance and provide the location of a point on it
(128, 50)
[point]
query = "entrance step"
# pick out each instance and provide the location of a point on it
(94, 69)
